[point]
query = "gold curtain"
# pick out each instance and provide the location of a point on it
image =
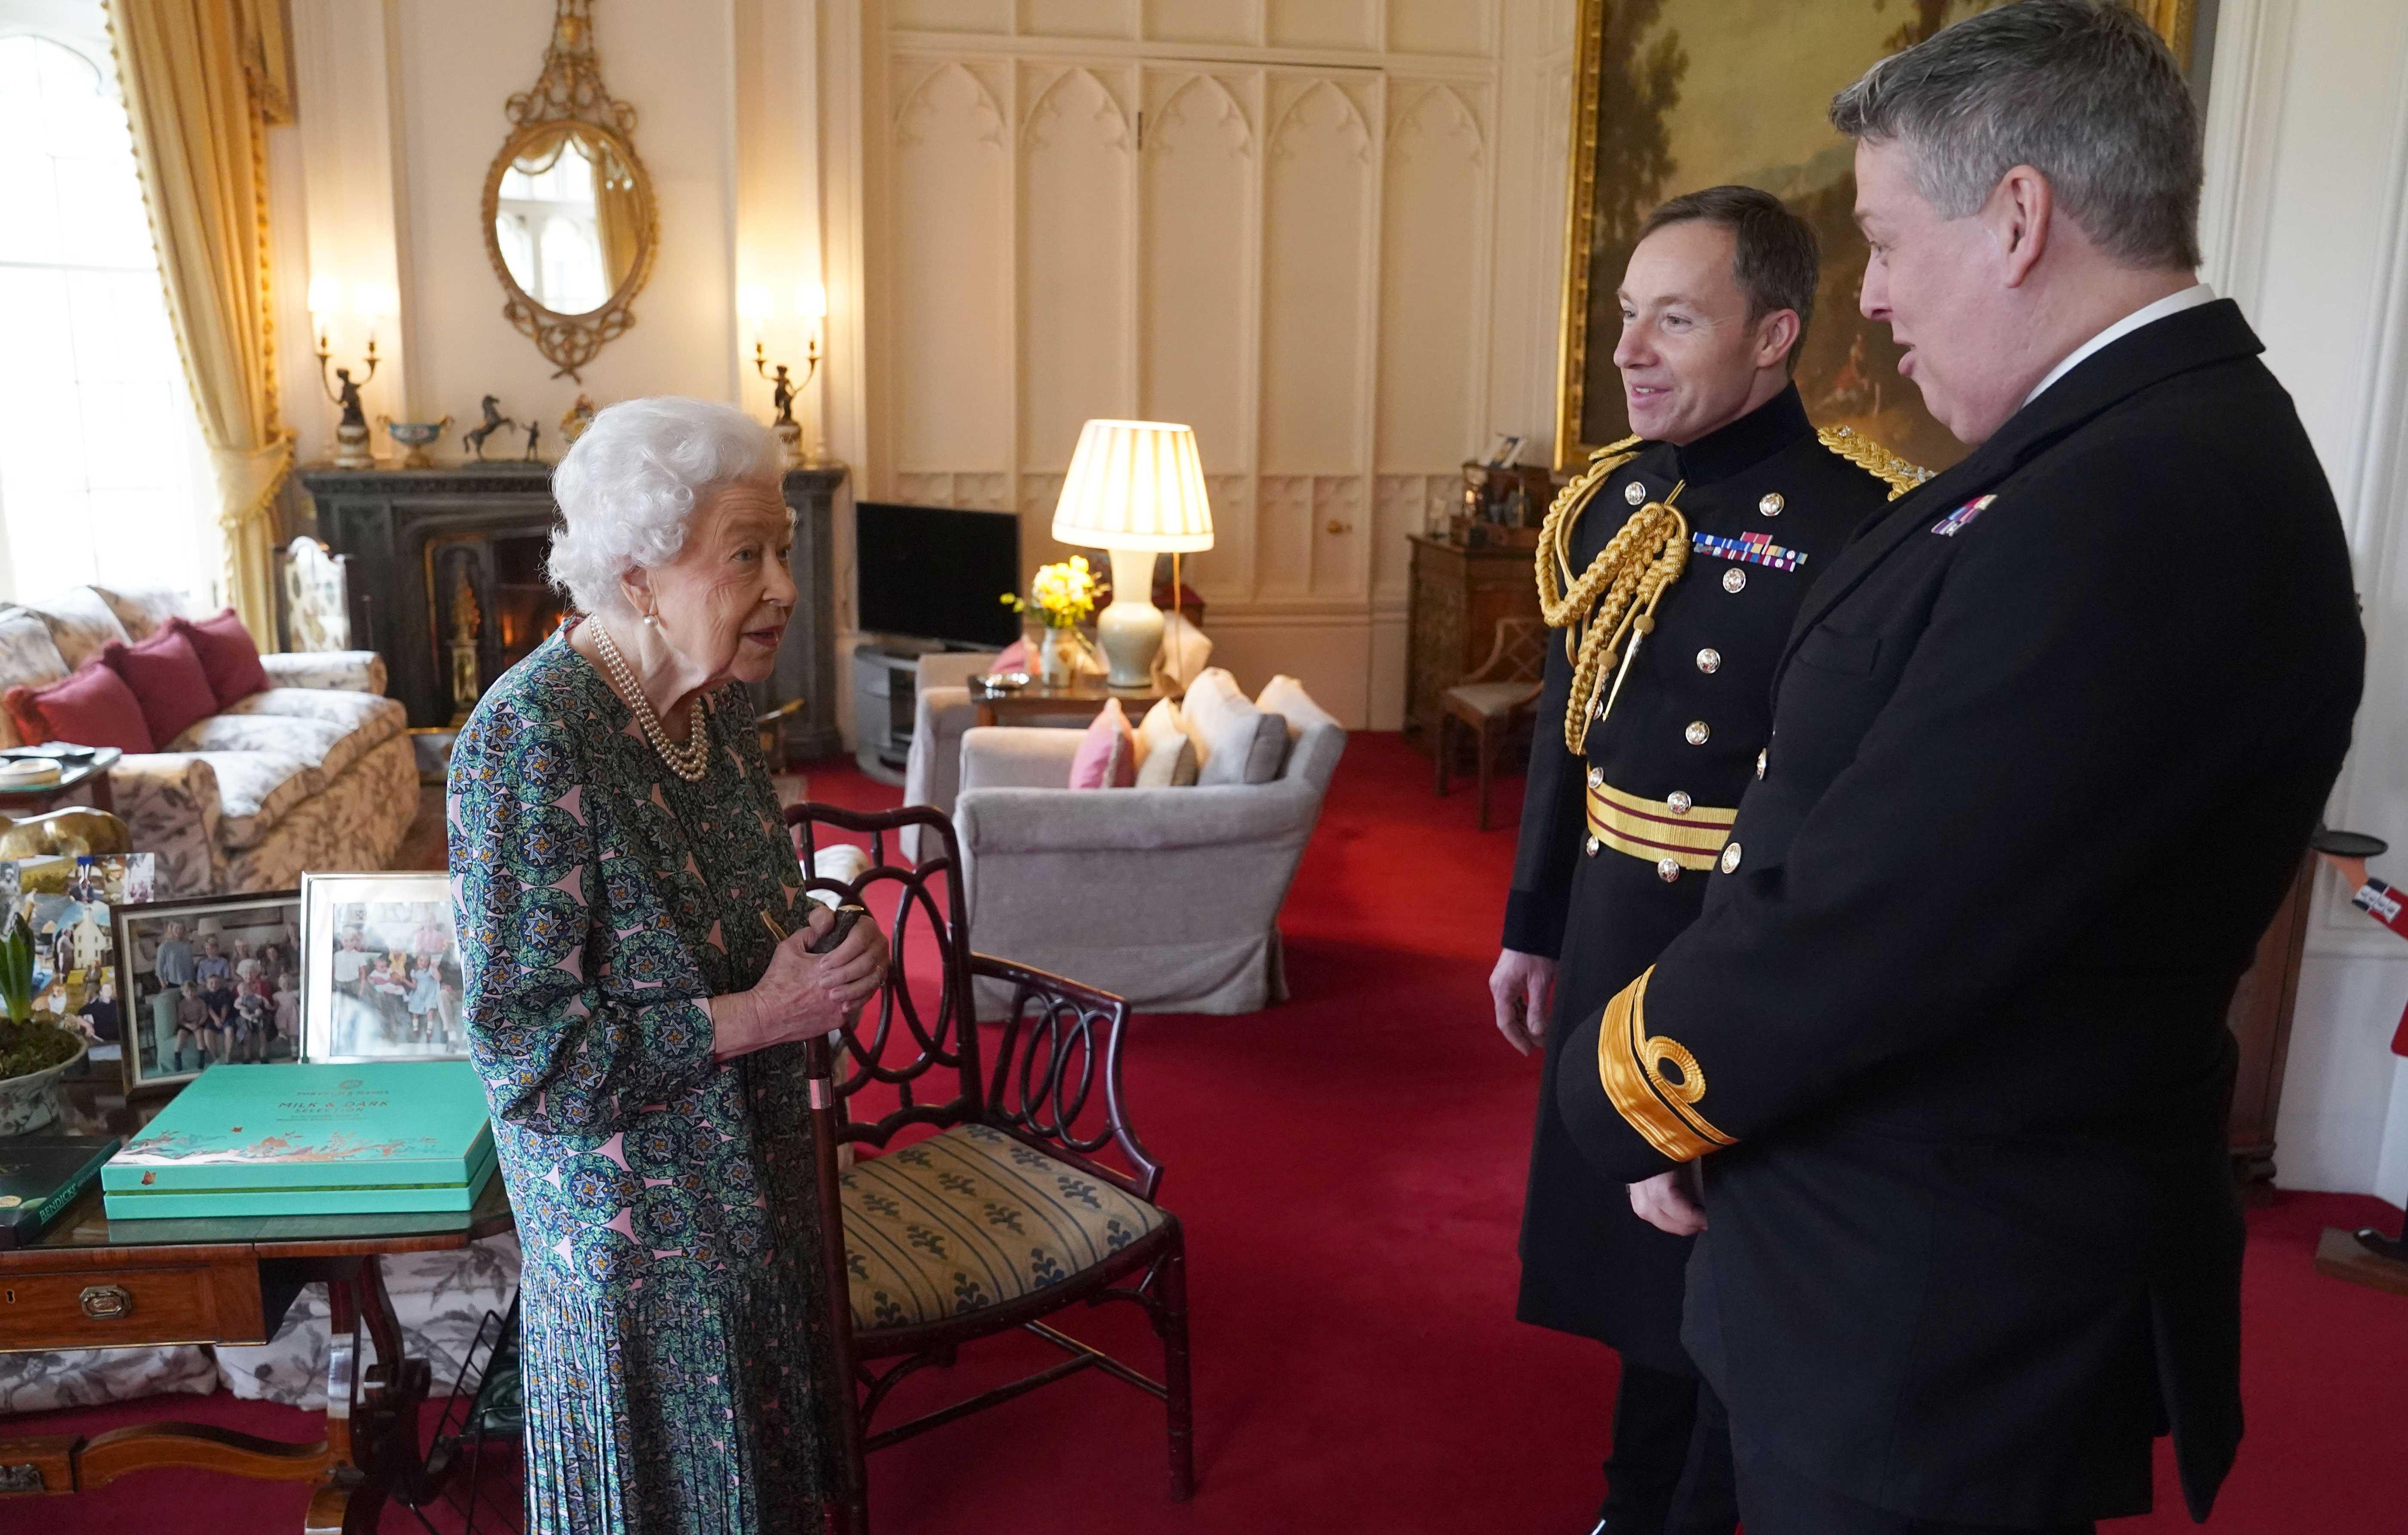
(202, 80)
(618, 217)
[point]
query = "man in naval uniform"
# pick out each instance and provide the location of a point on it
(1958, 1069)
(1673, 566)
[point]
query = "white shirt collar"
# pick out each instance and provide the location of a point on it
(2148, 314)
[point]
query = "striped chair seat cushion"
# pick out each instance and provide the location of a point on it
(972, 1218)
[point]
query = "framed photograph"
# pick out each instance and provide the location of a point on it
(379, 968)
(211, 979)
(1673, 95)
(66, 903)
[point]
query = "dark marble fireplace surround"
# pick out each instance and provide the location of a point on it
(411, 534)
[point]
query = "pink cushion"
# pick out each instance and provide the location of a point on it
(1107, 755)
(90, 706)
(165, 676)
(227, 655)
(1014, 657)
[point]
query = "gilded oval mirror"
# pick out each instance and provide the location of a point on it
(571, 224)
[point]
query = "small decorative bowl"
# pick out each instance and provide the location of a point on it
(416, 436)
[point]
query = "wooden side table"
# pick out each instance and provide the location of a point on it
(88, 778)
(91, 1283)
(1083, 699)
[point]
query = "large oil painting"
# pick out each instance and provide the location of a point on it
(1671, 95)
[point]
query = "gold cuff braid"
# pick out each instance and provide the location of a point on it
(1631, 1066)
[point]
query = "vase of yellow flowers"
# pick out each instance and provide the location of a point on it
(1061, 598)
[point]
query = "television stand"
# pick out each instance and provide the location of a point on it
(885, 699)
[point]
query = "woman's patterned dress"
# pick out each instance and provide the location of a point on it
(671, 1306)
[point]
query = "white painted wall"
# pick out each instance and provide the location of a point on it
(2308, 163)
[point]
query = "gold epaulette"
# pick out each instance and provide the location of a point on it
(1614, 447)
(1874, 459)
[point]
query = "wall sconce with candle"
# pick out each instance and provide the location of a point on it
(810, 306)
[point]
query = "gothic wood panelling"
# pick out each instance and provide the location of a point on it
(1077, 162)
(1196, 346)
(1321, 183)
(952, 321)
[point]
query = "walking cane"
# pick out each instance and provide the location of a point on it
(846, 1511)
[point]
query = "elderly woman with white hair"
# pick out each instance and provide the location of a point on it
(616, 845)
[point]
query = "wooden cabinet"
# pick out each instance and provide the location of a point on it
(2261, 1019)
(1458, 594)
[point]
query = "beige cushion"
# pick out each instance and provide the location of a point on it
(142, 609)
(80, 623)
(328, 749)
(1166, 758)
(971, 1218)
(1172, 768)
(370, 718)
(1285, 697)
(1235, 742)
(1490, 699)
(255, 790)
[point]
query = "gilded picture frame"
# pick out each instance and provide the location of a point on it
(1706, 92)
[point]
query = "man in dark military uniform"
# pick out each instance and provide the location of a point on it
(1957, 1069)
(1733, 503)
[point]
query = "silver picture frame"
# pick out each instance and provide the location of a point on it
(379, 968)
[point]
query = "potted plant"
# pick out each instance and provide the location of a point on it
(1062, 596)
(33, 1054)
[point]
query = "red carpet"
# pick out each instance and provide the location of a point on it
(1349, 1166)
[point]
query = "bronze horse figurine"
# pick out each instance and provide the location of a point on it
(474, 439)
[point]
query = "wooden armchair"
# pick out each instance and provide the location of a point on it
(1034, 1194)
(1493, 698)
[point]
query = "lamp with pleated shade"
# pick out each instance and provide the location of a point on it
(1136, 488)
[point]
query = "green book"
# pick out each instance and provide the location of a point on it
(309, 1140)
(40, 1175)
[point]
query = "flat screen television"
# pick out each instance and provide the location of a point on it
(937, 572)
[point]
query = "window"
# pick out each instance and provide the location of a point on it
(545, 223)
(103, 476)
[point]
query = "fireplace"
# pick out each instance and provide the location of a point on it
(447, 583)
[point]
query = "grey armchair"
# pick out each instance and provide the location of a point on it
(1168, 898)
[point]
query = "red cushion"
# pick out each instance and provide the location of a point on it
(90, 707)
(165, 674)
(227, 655)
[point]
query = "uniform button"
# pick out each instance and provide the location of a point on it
(1760, 765)
(1771, 504)
(1697, 732)
(1668, 869)
(1592, 847)
(1634, 492)
(1596, 707)
(1679, 802)
(1734, 579)
(1596, 777)
(1730, 857)
(1709, 660)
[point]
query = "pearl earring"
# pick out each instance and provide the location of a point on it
(652, 621)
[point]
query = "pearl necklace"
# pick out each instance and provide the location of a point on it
(689, 762)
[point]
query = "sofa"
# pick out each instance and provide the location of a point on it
(313, 772)
(1167, 896)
